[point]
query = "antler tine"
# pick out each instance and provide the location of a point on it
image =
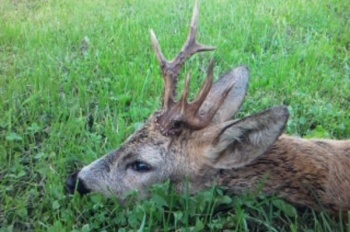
(156, 46)
(171, 70)
(222, 99)
(184, 102)
(205, 89)
(192, 46)
(170, 82)
(189, 111)
(195, 121)
(191, 41)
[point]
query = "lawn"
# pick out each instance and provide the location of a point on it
(78, 77)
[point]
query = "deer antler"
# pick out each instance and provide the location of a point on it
(171, 70)
(176, 114)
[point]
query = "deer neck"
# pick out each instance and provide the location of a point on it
(289, 169)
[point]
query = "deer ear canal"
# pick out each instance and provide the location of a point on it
(176, 127)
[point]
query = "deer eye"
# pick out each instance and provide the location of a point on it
(139, 166)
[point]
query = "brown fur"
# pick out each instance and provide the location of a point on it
(312, 173)
(245, 155)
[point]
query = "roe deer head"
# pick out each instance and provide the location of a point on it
(199, 142)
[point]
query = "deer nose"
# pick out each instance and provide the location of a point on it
(75, 184)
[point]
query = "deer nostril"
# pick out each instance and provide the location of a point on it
(82, 189)
(71, 182)
(74, 183)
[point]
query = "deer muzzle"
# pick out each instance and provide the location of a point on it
(75, 184)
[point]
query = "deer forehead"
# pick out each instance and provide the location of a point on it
(153, 155)
(147, 141)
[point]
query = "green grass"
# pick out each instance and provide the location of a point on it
(60, 110)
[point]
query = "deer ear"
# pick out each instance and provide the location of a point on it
(239, 77)
(239, 143)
